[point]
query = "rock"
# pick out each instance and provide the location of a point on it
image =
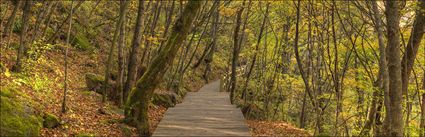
(50, 121)
(94, 81)
(166, 99)
(17, 116)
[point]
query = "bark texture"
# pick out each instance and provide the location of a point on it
(394, 69)
(136, 109)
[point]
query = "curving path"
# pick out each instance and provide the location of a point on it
(204, 113)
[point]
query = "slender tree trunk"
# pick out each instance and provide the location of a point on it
(394, 68)
(210, 55)
(208, 48)
(65, 83)
(135, 49)
(136, 109)
(41, 18)
(168, 23)
(121, 45)
(3, 12)
(56, 33)
(254, 58)
(49, 19)
(236, 48)
(412, 47)
(23, 43)
(335, 74)
(422, 124)
(108, 64)
(11, 20)
(382, 81)
(303, 75)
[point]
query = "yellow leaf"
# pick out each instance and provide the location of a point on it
(7, 73)
(38, 5)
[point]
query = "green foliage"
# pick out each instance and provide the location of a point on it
(80, 40)
(17, 27)
(14, 45)
(38, 49)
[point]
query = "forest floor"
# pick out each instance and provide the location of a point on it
(42, 81)
(274, 128)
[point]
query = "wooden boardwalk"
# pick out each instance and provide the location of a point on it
(204, 113)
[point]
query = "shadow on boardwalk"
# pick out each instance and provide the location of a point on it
(204, 113)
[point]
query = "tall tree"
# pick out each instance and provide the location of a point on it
(382, 81)
(412, 46)
(394, 69)
(134, 52)
(214, 28)
(41, 18)
(23, 43)
(254, 58)
(235, 54)
(11, 19)
(121, 46)
(136, 109)
(108, 63)
(422, 124)
(65, 83)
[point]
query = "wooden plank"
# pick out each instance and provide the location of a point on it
(207, 112)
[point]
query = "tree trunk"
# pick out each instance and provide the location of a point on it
(335, 73)
(136, 109)
(120, 21)
(41, 17)
(210, 55)
(412, 46)
(65, 83)
(121, 45)
(56, 33)
(135, 49)
(394, 68)
(49, 19)
(11, 19)
(236, 48)
(382, 81)
(22, 47)
(254, 58)
(303, 75)
(422, 124)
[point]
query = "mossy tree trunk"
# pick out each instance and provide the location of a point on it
(136, 109)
